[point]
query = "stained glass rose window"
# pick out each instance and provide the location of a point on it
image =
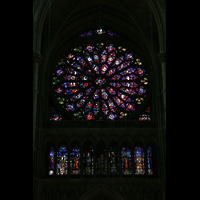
(99, 81)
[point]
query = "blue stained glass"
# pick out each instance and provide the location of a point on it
(126, 161)
(109, 69)
(75, 161)
(62, 157)
(51, 161)
(139, 161)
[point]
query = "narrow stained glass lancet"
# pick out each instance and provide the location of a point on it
(101, 164)
(96, 80)
(149, 160)
(62, 160)
(88, 160)
(51, 161)
(126, 161)
(113, 161)
(139, 161)
(75, 161)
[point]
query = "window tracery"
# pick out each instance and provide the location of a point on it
(126, 161)
(139, 161)
(75, 161)
(51, 161)
(149, 161)
(113, 157)
(88, 160)
(101, 161)
(62, 161)
(91, 85)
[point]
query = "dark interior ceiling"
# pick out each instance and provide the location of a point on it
(131, 19)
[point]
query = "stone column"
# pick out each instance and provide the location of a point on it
(162, 59)
(36, 62)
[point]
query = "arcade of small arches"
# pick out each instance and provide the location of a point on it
(101, 160)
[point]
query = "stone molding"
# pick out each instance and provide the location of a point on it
(37, 58)
(162, 57)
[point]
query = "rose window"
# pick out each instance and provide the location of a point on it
(99, 82)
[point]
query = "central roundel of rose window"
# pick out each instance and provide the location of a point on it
(99, 81)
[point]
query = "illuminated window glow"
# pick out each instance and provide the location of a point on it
(94, 80)
(149, 160)
(75, 161)
(62, 161)
(139, 161)
(51, 161)
(126, 161)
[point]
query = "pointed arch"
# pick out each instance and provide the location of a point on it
(101, 155)
(158, 195)
(113, 158)
(124, 193)
(138, 195)
(152, 157)
(57, 194)
(75, 155)
(43, 195)
(139, 141)
(88, 158)
(144, 195)
(126, 155)
(62, 160)
(131, 194)
(101, 190)
(151, 194)
(48, 158)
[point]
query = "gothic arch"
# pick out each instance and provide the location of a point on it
(111, 142)
(50, 194)
(101, 190)
(151, 194)
(139, 141)
(64, 194)
(131, 194)
(101, 139)
(49, 141)
(144, 195)
(138, 195)
(152, 141)
(88, 139)
(127, 140)
(62, 141)
(75, 141)
(124, 193)
(158, 195)
(57, 194)
(43, 195)
(114, 139)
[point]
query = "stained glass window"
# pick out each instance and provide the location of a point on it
(99, 31)
(149, 160)
(54, 116)
(62, 161)
(126, 161)
(94, 81)
(113, 157)
(51, 161)
(139, 161)
(75, 161)
(88, 160)
(146, 115)
(101, 162)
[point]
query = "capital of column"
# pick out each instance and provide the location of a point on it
(162, 57)
(37, 58)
